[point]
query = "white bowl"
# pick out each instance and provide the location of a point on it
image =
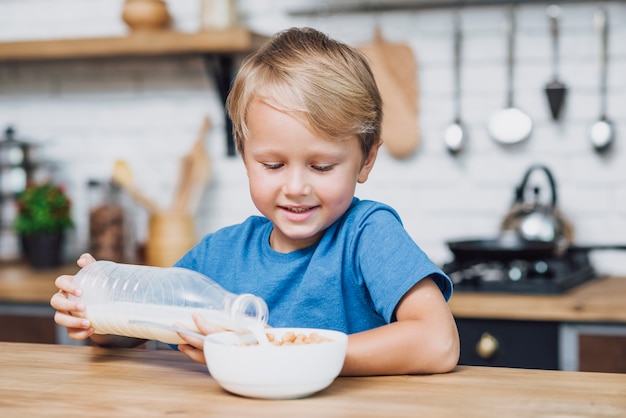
(275, 372)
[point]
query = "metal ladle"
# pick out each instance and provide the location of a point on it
(455, 135)
(602, 132)
(510, 125)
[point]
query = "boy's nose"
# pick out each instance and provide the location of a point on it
(296, 183)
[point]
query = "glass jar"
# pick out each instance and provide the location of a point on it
(110, 226)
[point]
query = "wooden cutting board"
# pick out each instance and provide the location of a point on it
(395, 68)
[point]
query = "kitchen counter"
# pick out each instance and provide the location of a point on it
(25, 311)
(582, 329)
(599, 300)
(71, 381)
(20, 284)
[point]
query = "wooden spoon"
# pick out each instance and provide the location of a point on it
(123, 177)
(195, 173)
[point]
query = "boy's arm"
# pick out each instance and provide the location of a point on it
(423, 340)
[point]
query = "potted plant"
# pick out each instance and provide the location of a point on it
(43, 216)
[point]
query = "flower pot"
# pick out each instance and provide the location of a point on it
(43, 251)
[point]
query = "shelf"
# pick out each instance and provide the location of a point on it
(217, 47)
(227, 41)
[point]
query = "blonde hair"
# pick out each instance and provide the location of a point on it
(322, 81)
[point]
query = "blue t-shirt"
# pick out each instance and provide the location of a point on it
(351, 280)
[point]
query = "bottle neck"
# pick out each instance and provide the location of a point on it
(247, 310)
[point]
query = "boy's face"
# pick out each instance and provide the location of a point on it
(299, 180)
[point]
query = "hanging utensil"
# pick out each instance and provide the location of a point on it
(602, 132)
(510, 125)
(555, 89)
(395, 69)
(123, 177)
(455, 135)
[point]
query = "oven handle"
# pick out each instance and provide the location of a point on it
(598, 247)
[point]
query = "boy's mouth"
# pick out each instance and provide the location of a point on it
(297, 209)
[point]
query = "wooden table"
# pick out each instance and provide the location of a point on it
(71, 381)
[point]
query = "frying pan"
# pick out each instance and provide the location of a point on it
(511, 248)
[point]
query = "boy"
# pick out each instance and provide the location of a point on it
(306, 118)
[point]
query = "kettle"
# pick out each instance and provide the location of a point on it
(535, 220)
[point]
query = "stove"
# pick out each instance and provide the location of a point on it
(553, 275)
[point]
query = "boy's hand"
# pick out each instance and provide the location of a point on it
(77, 328)
(194, 349)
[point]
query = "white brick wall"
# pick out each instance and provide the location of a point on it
(88, 113)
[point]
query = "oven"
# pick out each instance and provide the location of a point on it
(534, 253)
(549, 345)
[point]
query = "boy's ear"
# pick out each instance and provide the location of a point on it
(368, 164)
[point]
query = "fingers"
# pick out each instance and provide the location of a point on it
(64, 305)
(66, 286)
(61, 302)
(194, 342)
(85, 259)
(77, 328)
(79, 335)
(193, 353)
(64, 308)
(204, 326)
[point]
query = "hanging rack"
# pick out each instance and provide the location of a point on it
(388, 6)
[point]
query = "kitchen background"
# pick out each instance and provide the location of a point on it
(88, 113)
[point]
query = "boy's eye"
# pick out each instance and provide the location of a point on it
(322, 167)
(272, 166)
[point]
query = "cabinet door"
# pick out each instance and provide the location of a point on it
(27, 323)
(27, 329)
(602, 353)
(593, 347)
(522, 344)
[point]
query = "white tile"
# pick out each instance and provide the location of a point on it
(90, 112)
